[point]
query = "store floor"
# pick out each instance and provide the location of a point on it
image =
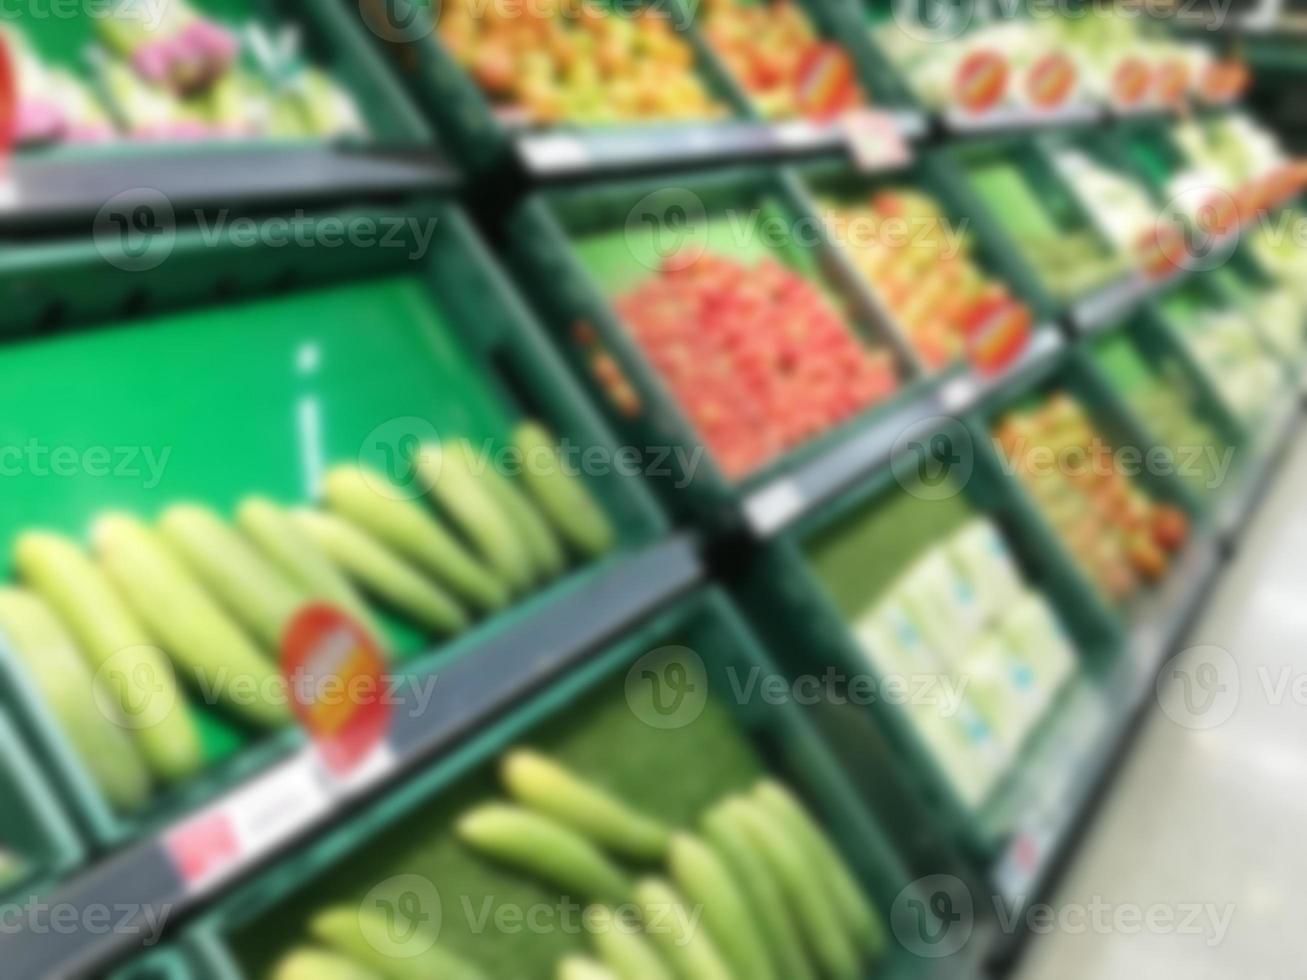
(1202, 833)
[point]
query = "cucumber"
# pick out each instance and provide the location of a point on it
(688, 947)
(250, 588)
(73, 696)
(316, 964)
(541, 784)
(286, 545)
(625, 951)
(581, 968)
(465, 498)
(199, 637)
(705, 882)
(541, 542)
(369, 937)
(561, 495)
(857, 913)
(545, 849)
(136, 672)
(764, 894)
(382, 573)
(413, 532)
(804, 889)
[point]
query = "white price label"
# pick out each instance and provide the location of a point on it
(553, 152)
(771, 509)
(875, 140)
(959, 393)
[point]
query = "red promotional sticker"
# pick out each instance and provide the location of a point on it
(1172, 82)
(825, 83)
(1130, 82)
(997, 331)
(8, 100)
(1224, 81)
(335, 672)
(1051, 80)
(981, 80)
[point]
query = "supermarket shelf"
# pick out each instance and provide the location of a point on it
(1015, 119)
(790, 497)
(1236, 511)
(188, 863)
(1070, 770)
(41, 190)
(563, 155)
(1107, 305)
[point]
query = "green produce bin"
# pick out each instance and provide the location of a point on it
(1073, 374)
(1047, 210)
(259, 393)
(1143, 355)
(331, 39)
(1148, 142)
(1205, 292)
(482, 138)
(807, 626)
(932, 177)
(671, 760)
(574, 249)
(34, 829)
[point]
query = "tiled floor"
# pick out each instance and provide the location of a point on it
(1205, 827)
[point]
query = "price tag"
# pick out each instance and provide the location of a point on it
(336, 674)
(772, 508)
(249, 823)
(1130, 82)
(959, 393)
(8, 102)
(1051, 81)
(825, 83)
(800, 133)
(1224, 81)
(997, 331)
(1171, 82)
(554, 153)
(874, 140)
(981, 80)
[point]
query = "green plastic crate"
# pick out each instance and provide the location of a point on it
(574, 249)
(465, 117)
(33, 826)
(1060, 212)
(314, 376)
(806, 625)
(932, 177)
(588, 722)
(1143, 354)
(1072, 373)
(332, 40)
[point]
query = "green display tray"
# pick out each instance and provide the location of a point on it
(161, 964)
(1060, 208)
(574, 249)
(258, 395)
(807, 627)
(1142, 355)
(672, 767)
(465, 116)
(33, 824)
(332, 40)
(1074, 374)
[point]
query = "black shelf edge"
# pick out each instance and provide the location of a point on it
(39, 189)
(279, 807)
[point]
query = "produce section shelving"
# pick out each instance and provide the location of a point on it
(288, 806)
